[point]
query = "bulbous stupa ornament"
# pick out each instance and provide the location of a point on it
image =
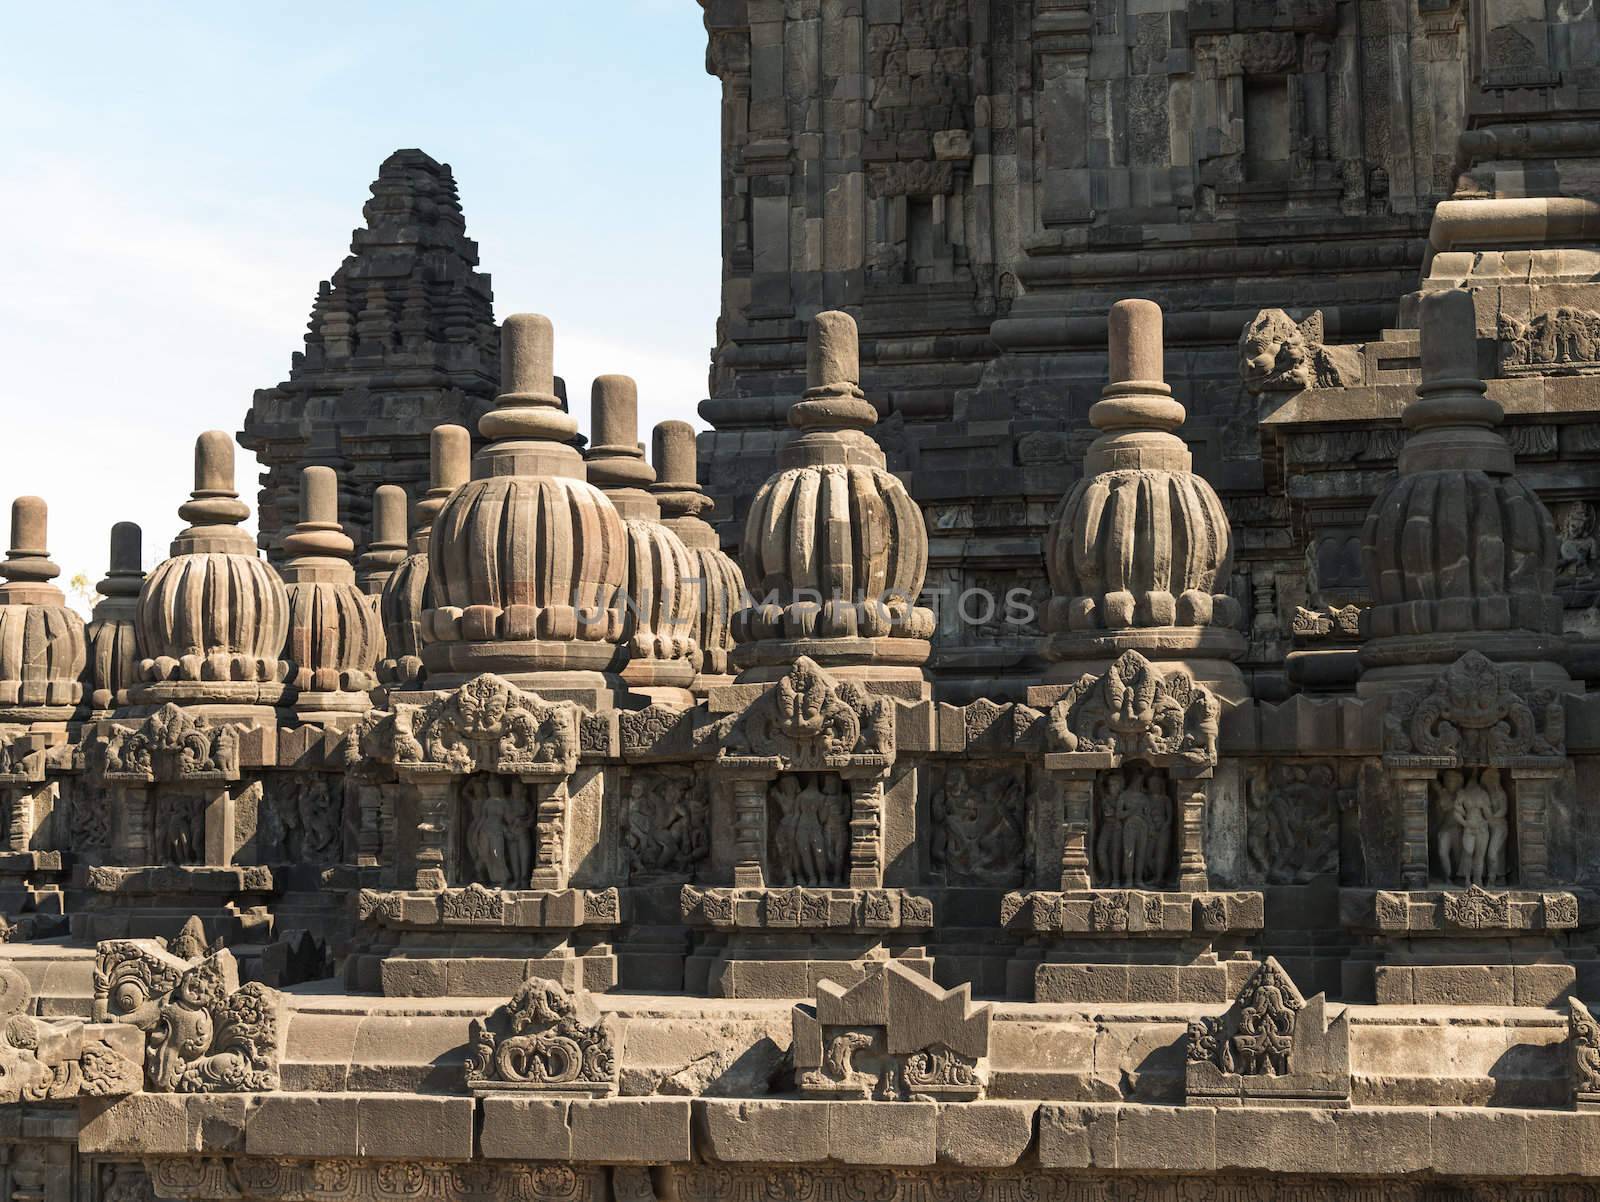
(527, 560)
(1459, 553)
(113, 634)
(406, 596)
(213, 617)
(334, 635)
(660, 654)
(1140, 550)
(42, 645)
(677, 491)
(835, 550)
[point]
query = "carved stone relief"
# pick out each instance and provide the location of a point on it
(499, 825)
(1133, 825)
(546, 1038)
(980, 817)
(665, 823)
(809, 817)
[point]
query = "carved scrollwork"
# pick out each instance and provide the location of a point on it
(1136, 710)
(171, 745)
(1474, 713)
(1256, 1036)
(1583, 1047)
(810, 720)
(544, 1038)
(203, 1032)
(1560, 341)
(486, 725)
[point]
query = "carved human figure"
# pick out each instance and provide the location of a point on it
(1448, 823)
(1134, 813)
(179, 830)
(1576, 551)
(786, 795)
(1158, 812)
(1473, 808)
(1108, 839)
(1499, 824)
(500, 835)
(809, 837)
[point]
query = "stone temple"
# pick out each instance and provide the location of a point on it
(1104, 712)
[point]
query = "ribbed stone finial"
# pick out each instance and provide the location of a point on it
(28, 559)
(127, 562)
(319, 533)
(672, 450)
(614, 458)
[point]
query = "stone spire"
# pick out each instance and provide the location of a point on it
(224, 659)
(406, 595)
(662, 654)
(42, 647)
(400, 340)
(388, 547)
(677, 492)
(113, 639)
(334, 637)
(1139, 552)
(1459, 553)
(835, 550)
(527, 560)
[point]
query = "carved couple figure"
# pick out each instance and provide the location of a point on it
(1472, 826)
(661, 833)
(1132, 843)
(812, 835)
(500, 834)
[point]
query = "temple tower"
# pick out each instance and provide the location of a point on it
(113, 637)
(834, 549)
(223, 659)
(1460, 554)
(334, 635)
(42, 648)
(663, 592)
(527, 560)
(1139, 552)
(677, 491)
(405, 594)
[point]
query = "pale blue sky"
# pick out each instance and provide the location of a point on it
(176, 178)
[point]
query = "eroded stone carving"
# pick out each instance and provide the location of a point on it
(1560, 341)
(545, 1038)
(808, 719)
(1279, 354)
(500, 822)
(810, 829)
(1133, 828)
(1137, 710)
(1271, 1043)
(1471, 825)
(203, 1031)
(1583, 1049)
(1293, 814)
(979, 822)
(1476, 714)
(894, 1036)
(665, 823)
(172, 744)
(485, 725)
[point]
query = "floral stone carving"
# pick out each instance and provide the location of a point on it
(545, 1039)
(1137, 711)
(810, 720)
(1583, 1046)
(1474, 713)
(58, 1060)
(172, 745)
(203, 1031)
(894, 1036)
(1271, 1044)
(1560, 341)
(486, 725)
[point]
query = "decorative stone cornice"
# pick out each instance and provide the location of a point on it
(1134, 710)
(808, 719)
(1476, 713)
